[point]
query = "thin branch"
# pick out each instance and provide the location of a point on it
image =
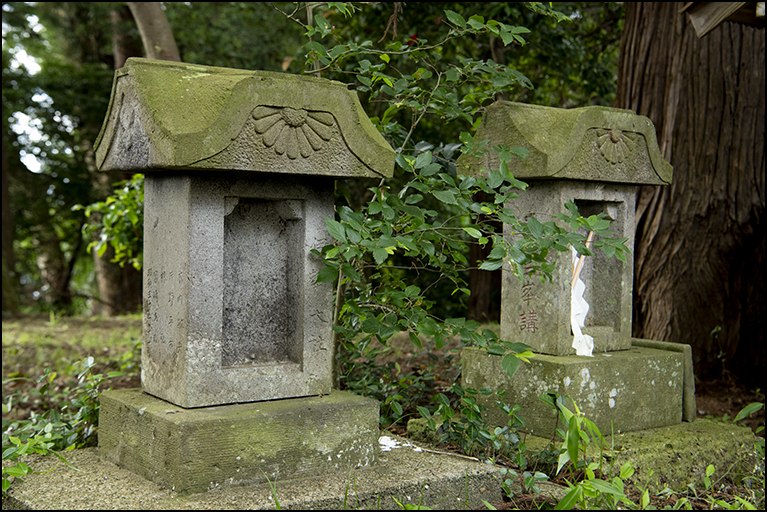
(392, 20)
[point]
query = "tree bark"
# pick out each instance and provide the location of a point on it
(119, 288)
(10, 280)
(485, 286)
(700, 242)
(155, 31)
(123, 45)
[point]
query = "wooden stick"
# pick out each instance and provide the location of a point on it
(581, 260)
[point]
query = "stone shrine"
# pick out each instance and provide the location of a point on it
(237, 355)
(579, 324)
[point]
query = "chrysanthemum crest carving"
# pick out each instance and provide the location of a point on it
(293, 131)
(613, 144)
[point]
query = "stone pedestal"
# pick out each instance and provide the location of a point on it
(635, 389)
(237, 355)
(193, 450)
(594, 157)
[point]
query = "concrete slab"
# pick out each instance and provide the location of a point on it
(439, 481)
(193, 450)
(673, 456)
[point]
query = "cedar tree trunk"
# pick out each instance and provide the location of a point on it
(700, 242)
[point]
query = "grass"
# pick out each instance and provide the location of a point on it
(39, 373)
(35, 345)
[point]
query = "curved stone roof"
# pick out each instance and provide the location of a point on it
(589, 143)
(166, 116)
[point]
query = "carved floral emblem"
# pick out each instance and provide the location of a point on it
(613, 144)
(293, 131)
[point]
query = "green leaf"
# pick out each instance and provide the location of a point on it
(466, 138)
(494, 178)
(439, 340)
(350, 272)
(627, 470)
(455, 18)
(322, 25)
(430, 169)
(422, 160)
(473, 232)
(510, 363)
(570, 499)
(428, 326)
(336, 229)
(15, 471)
(452, 75)
(536, 228)
(380, 254)
(748, 411)
(413, 199)
(446, 196)
(327, 275)
(491, 265)
(416, 341)
(573, 439)
(477, 22)
(605, 487)
(412, 291)
(371, 325)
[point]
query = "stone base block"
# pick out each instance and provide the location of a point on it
(634, 389)
(193, 450)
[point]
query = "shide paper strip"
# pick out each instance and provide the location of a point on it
(579, 308)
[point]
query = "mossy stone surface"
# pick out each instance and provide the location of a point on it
(589, 143)
(632, 389)
(192, 450)
(171, 115)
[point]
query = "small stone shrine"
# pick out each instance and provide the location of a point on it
(579, 324)
(237, 355)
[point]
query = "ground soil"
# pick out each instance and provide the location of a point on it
(31, 343)
(715, 399)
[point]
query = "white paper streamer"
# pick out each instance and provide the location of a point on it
(579, 308)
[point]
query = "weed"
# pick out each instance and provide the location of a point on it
(274, 492)
(70, 416)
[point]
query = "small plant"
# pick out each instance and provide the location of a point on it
(70, 419)
(274, 492)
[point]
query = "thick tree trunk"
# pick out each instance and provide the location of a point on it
(53, 269)
(485, 286)
(700, 242)
(155, 31)
(123, 45)
(10, 280)
(119, 288)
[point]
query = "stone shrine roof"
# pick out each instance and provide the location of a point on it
(166, 116)
(588, 143)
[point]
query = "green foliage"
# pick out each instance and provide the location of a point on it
(121, 222)
(461, 423)
(70, 419)
(423, 220)
(241, 35)
(65, 102)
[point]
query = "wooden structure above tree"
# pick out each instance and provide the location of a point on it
(706, 16)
